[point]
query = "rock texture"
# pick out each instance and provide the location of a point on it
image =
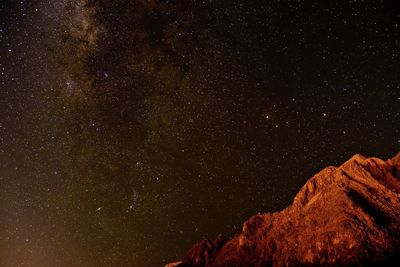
(343, 216)
(174, 264)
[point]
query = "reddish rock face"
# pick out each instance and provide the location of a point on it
(203, 253)
(173, 264)
(347, 215)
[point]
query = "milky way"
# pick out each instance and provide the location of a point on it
(131, 129)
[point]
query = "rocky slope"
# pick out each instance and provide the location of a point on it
(347, 215)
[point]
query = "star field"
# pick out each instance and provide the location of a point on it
(130, 130)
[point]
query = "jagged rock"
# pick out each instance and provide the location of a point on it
(204, 253)
(347, 215)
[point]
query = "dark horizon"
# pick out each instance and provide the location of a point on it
(130, 130)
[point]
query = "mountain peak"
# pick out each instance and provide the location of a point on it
(395, 161)
(346, 215)
(357, 157)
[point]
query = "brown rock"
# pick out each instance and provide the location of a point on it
(174, 264)
(347, 215)
(204, 253)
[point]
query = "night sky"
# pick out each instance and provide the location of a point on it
(131, 129)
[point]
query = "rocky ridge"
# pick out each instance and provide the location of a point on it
(347, 215)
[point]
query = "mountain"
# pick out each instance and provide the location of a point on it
(343, 216)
